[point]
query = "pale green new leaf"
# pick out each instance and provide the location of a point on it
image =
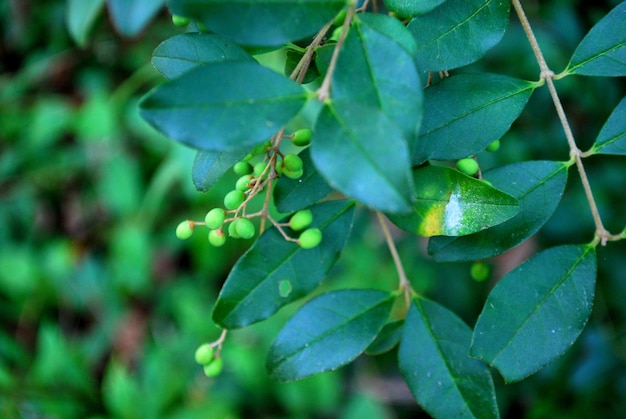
(131, 16)
(603, 50)
(536, 312)
(80, 16)
(612, 137)
(434, 360)
(329, 331)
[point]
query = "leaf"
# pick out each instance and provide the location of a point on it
(434, 360)
(374, 69)
(295, 194)
(603, 50)
(463, 114)
(404, 8)
(329, 331)
(186, 51)
(612, 137)
(80, 16)
(536, 312)
(458, 33)
(363, 154)
(260, 23)
(209, 166)
(222, 106)
(252, 291)
(292, 59)
(131, 16)
(450, 203)
(538, 185)
(387, 339)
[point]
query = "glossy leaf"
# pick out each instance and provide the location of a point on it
(252, 291)
(450, 203)
(374, 69)
(292, 59)
(362, 153)
(223, 106)
(536, 312)
(612, 137)
(261, 23)
(538, 185)
(80, 15)
(603, 50)
(131, 16)
(434, 360)
(387, 339)
(294, 194)
(209, 166)
(463, 114)
(458, 33)
(329, 331)
(404, 8)
(186, 51)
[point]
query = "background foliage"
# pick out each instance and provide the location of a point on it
(102, 307)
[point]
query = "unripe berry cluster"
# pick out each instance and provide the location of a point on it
(205, 356)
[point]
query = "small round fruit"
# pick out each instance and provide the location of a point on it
(261, 148)
(180, 21)
(302, 137)
(468, 166)
(301, 220)
(204, 354)
(217, 238)
(243, 183)
(233, 199)
(184, 230)
(293, 175)
(336, 34)
(259, 168)
(292, 162)
(215, 218)
(214, 368)
(493, 147)
(479, 271)
(232, 230)
(341, 16)
(242, 168)
(245, 228)
(310, 238)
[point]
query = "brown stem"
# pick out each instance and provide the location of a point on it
(405, 285)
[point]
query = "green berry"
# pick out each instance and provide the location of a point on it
(310, 238)
(242, 168)
(341, 16)
(336, 34)
(261, 148)
(204, 354)
(301, 220)
(468, 166)
(232, 230)
(215, 218)
(180, 21)
(479, 271)
(247, 157)
(259, 168)
(214, 368)
(293, 175)
(243, 183)
(292, 162)
(302, 137)
(185, 230)
(493, 147)
(245, 228)
(233, 199)
(217, 238)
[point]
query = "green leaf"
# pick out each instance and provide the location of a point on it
(450, 203)
(458, 33)
(292, 58)
(362, 153)
(538, 185)
(612, 137)
(434, 360)
(603, 50)
(387, 339)
(186, 51)
(374, 69)
(294, 194)
(463, 114)
(410, 8)
(80, 16)
(536, 312)
(209, 166)
(260, 23)
(131, 16)
(329, 331)
(221, 106)
(252, 291)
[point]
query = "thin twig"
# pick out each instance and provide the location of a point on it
(405, 285)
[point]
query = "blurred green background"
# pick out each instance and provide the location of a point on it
(102, 307)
